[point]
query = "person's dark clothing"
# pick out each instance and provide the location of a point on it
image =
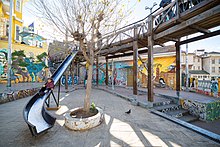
(164, 3)
(49, 85)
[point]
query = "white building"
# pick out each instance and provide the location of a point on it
(211, 64)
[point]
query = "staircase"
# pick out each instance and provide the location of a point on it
(176, 111)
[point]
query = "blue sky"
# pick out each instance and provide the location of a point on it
(139, 12)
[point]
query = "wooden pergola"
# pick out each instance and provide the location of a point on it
(170, 23)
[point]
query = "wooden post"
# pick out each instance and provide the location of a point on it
(58, 95)
(177, 67)
(177, 9)
(72, 72)
(97, 71)
(135, 62)
(66, 79)
(113, 88)
(150, 59)
(106, 71)
(77, 71)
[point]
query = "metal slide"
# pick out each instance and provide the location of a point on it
(35, 113)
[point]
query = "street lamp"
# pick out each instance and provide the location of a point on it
(154, 4)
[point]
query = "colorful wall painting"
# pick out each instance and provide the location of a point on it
(205, 111)
(162, 65)
(24, 69)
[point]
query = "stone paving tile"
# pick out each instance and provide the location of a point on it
(140, 128)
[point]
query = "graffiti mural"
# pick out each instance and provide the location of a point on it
(18, 65)
(205, 111)
(3, 64)
(70, 80)
(195, 108)
(119, 75)
(213, 111)
(34, 68)
(24, 69)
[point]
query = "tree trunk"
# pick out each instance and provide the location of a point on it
(88, 89)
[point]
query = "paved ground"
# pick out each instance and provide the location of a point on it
(142, 97)
(20, 86)
(140, 128)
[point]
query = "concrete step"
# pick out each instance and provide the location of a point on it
(178, 113)
(167, 102)
(189, 118)
(166, 108)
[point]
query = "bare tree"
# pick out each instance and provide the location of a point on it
(85, 21)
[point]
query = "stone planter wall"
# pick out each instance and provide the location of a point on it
(78, 124)
(6, 97)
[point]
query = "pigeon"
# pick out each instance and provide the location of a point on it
(129, 111)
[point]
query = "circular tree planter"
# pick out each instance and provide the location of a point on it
(78, 124)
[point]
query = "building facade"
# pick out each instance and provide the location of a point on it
(17, 21)
(211, 64)
(28, 62)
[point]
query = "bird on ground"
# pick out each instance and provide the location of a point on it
(129, 111)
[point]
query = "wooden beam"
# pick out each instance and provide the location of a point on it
(177, 66)
(116, 49)
(126, 54)
(189, 22)
(170, 39)
(155, 50)
(135, 62)
(106, 69)
(215, 33)
(200, 29)
(150, 60)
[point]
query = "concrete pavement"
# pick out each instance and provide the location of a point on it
(140, 128)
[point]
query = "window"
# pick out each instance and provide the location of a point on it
(193, 67)
(213, 69)
(204, 76)
(18, 5)
(193, 59)
(198, 67)
(198, 60)
(219, 69)
(213, 61)
(17, 33)
(218, 61)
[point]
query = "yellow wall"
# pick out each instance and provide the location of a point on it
(1, 11)
(27, 49)
(15, 22)
(164, 61)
